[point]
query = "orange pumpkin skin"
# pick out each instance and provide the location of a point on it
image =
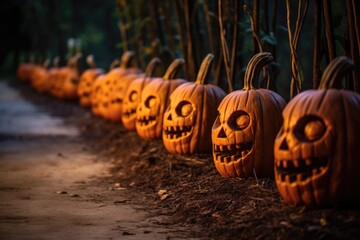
(85, 85)
(133, 93)
(40, 79)
(317, 150)
(114, 85)
(53, 72)
(155, 100)
(192, 111)
(24, 70)
(117, 94)
(69, 82)
(95, 100)
(86, 80)
(244, 132)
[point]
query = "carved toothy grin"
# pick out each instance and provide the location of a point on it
(129, 112)
(231, 153)
(300, 169)
(146, 120)
(175, 132)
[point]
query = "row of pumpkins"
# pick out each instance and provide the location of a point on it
(310, 145)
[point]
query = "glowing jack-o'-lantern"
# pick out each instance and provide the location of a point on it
(133, 93)
(96, 95)
(86, 80)
(40, 77)
(244, 132)
(192, 111)
(317, 150)
(155, 100)
(115, 85)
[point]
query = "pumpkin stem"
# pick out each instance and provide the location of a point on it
(204, 71)
(256, 63)
(173, 69)
(46, 63)
(335, 71)
(90, 61)
(126, 59)
(56, 61)
(115, 63)
(151, 67)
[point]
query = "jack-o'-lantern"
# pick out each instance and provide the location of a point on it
(24, 71)
(96, 95)
(155, 100)
(192, 111)
(86, 80)
(244, 132)
(114, 86)
(53, 72)
(39, 77)
(317, 150)
(68, 79)
(133, 93)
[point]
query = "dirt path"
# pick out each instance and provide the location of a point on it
(50, 187)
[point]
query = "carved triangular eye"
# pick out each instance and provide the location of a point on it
(222, 133)
(284, 145)
(169, 117)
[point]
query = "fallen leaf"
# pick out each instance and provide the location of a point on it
(161, 192)
(61, 192)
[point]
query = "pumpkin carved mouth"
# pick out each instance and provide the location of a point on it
(146, 120)
(232, 153)
(175, 132)
(300, 169)
(129, 112)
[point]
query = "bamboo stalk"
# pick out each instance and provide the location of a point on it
(353, 43)
(317, 44)
(256, 24)
(234, 43)
(329, 33)
(253, 28)
(224, 47)
(190, 61)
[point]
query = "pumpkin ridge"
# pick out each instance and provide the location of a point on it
(256, 63)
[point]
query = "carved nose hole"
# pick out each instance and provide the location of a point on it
(169, 117)
(222, 134)
(284, 145)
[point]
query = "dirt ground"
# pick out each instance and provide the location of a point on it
(53, 187)
(189, 192)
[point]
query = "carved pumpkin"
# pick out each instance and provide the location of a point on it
(53, 76)
(97, 97)
(192, 111)
(155, 100)
(133, 93)
(24, 71)
(317, 150)
(115, 85)
(86, 80)
(96, 101)
(244, 132)
(68, 79)
(40, 76)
